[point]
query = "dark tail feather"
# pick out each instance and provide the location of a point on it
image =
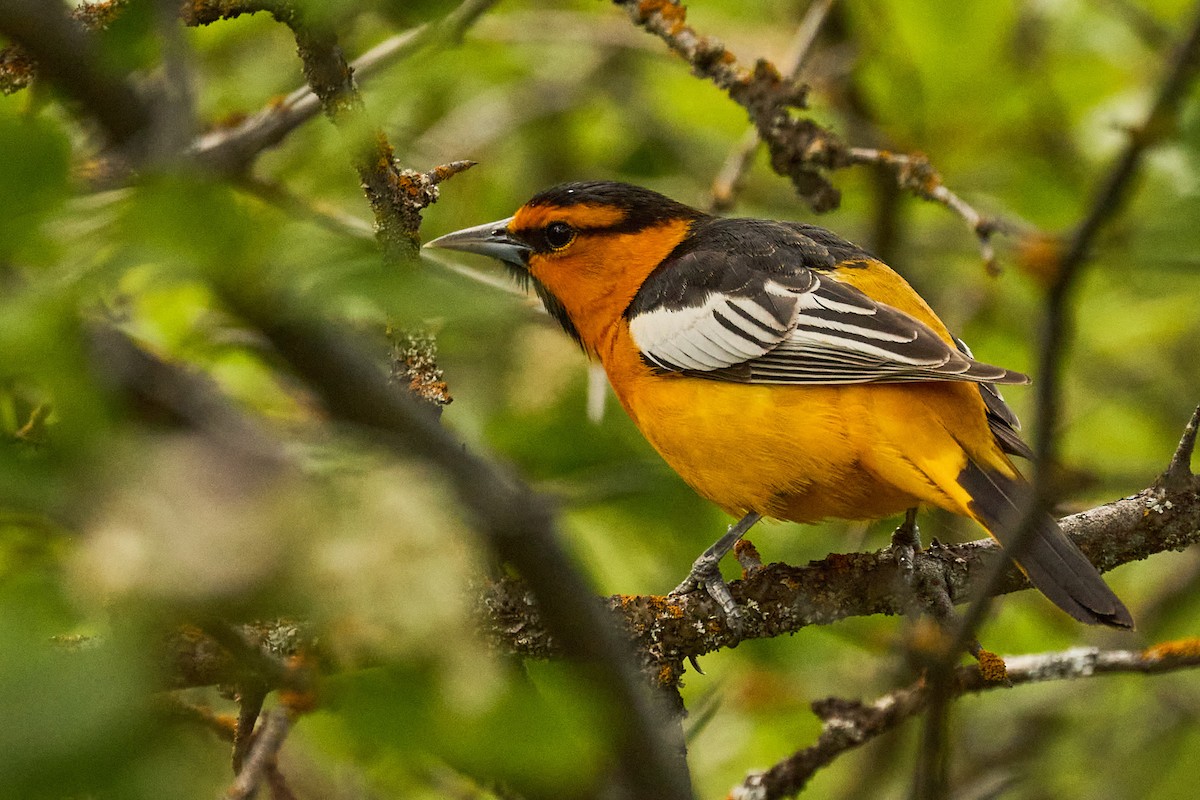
(1051, 561)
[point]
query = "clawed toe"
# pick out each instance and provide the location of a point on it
(707, 576)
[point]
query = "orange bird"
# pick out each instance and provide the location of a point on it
(782, 372)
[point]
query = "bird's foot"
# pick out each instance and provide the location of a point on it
(706, 575)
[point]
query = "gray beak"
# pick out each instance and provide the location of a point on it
(491, 239)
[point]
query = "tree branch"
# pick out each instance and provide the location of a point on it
(65, 54)
(732, 174)
(230, 151)
(1160, 121)
(800, 149)
(513, 522)
(268, 740)
(848, 724)
(396, 196)
(779, 599)
(1059, 324)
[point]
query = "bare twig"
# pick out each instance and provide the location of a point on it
(916, 174)
(263, 753)
(223, 725)
(250, 703)
(1179, 473)
(848, 724)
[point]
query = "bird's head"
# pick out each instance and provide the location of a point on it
(585, 247)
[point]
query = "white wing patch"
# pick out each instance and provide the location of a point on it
(829, 332)
(726, 330)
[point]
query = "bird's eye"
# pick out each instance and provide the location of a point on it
(559, 235)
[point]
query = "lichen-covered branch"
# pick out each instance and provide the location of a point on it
(264, 751)
(64, 53)
(18, 66)
(779, 599)
(848, 724)
(513, 522)
(1057, 333)
(396, 195)
(231, 150)
(800, 149)
(729, 180)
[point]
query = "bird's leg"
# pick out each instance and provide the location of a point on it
(706, 571)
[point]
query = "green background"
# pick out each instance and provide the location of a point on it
(114, 527)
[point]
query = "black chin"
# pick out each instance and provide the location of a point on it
(553, 306)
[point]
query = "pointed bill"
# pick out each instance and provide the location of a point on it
(490, 239)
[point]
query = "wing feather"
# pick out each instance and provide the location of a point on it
(777, 314)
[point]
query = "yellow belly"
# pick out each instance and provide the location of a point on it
(805, 453)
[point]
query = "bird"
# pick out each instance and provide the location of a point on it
(783, 372)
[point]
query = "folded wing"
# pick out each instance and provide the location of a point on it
(778, 315)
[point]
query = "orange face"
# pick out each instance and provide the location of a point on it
(587, 246)
(592, 258)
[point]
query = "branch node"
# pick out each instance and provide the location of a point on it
(1179, 478)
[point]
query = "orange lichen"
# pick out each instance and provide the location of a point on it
(747, 555)
(414, 360)
(671, 13)
(992, 667)
(1179, 648)
(668, 675)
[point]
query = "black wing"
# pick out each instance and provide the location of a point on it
(1001, 419)
(754, 301)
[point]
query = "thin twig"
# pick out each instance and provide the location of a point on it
(344, 224)
(263, 752)
(916, 174)
(1179, 473)
(250, 703)
(232, 150)
(223, 725)
(848, 724)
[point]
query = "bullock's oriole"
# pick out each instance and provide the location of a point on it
(782, 371)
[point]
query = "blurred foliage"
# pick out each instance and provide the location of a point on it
(118, 525)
